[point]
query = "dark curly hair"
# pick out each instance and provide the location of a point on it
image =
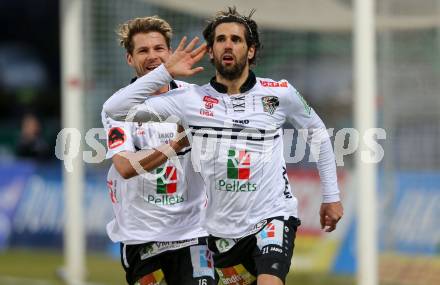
(232, 16)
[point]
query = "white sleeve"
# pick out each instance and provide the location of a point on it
(168, 107)
(123, 101)
(119, 136)
(302, 116)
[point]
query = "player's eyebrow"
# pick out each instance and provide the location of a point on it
(160, 46)
(141, 48)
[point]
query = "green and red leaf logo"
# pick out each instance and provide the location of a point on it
(239, 162)
(167, 183)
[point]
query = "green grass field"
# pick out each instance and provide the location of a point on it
(19, 267)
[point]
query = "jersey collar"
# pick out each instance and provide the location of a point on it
(173, 84)
(247, 85)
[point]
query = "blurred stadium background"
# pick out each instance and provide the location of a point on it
(308, 43)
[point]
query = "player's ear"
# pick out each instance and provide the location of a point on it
(129, 58)
(210, 53)
(251, 52)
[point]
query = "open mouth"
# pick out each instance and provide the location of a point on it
(151, 67)
(228, 58)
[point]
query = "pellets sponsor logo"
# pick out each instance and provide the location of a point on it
(238, 172)
(167, 183)
(166, 187)
(239, 163)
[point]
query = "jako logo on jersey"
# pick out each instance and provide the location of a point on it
(116, 137)
(240, 122)
(273, 84)
(210, 102)
(270, 104)
(167, 184)
(238, 168)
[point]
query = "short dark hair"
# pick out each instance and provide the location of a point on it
(232, 16)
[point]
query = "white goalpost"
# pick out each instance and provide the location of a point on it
(72, 113)
(365, 118)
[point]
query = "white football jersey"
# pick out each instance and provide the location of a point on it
(164, 205)
(236, 145)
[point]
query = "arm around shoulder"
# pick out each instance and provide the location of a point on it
(121, 103)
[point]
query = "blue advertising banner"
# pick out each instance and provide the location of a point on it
(32, 207)
(409, 228)
(13, 178)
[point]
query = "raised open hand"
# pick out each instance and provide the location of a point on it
(183, 58)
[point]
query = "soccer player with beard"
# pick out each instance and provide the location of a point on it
(236, 123)
(157, 216)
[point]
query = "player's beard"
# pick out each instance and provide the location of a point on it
(230, 72)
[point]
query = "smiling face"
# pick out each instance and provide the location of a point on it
(230, 52)
(149, 51)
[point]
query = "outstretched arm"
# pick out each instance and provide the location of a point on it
(304, 117)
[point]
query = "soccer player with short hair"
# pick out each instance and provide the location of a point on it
(236, 125)
(157, 214)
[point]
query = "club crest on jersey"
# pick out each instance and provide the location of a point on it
(210, 102)
(116, 137)
(270, 104)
